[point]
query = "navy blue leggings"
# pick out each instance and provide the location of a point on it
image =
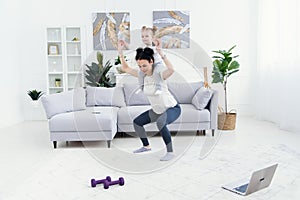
(162, 120)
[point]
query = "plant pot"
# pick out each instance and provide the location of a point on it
(57, 83)
(226, 121)
(35, 103)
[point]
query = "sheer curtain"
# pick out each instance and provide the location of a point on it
(278, 69)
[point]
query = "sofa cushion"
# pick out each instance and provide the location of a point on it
(126, 115)
(189, 114)
(101, 96)
(201, 98)
(104, 119)
(131, 98)
(68, 101)
(184, 91)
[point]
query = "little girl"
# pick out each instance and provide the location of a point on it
(148, 38)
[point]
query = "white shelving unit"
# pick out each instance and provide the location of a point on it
(65, 55)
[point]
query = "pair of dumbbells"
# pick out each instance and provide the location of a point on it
(107, 182)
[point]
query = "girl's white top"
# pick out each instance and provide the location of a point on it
(159, 103)
(156, 56)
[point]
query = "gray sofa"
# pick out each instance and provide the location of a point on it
(98, 113)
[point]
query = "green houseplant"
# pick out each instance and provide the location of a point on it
(35, 94)
(224, 66)
(97, 74)
(118, 62)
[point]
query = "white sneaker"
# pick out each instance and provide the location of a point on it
(138, 91)
(168, 156)
(141, 150)
(157, 92)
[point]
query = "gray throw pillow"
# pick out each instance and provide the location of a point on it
(201, 98)
(102, 96)
(131, 98)
(68, 101)
(184, 91)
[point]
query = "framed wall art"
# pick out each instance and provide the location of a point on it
(173, 27)
(108, 28)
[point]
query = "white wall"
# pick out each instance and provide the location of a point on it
(10, 57)
(215, 24)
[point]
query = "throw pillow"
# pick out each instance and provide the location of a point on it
(68, 101)
(201, 98)
(184, 91)
(132, 98)
(101, 96)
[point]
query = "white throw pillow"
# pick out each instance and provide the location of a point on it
(201, 98)
(102, 96)
(69, 101)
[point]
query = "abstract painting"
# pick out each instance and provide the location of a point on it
(173, 27)
(108, 28)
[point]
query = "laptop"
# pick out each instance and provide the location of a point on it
(260, 179)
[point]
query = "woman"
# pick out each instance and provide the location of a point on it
(164, 108)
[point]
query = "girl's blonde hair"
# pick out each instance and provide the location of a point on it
(153, 29)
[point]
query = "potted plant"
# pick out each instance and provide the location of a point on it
(117, 63)
(97, 74)
(35, 95)
(224, 67)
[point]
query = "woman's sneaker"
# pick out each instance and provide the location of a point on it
(141, 150)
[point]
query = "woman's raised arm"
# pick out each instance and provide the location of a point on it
(170, 69)
(125, 67)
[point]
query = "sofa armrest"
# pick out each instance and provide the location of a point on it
(213, 108)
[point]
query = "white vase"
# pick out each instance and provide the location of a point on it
(35, 103)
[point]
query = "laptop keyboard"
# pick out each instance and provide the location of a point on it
(242, 188)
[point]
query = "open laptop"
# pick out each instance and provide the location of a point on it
(260, 179)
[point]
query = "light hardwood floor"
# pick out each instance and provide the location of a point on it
(31, 169)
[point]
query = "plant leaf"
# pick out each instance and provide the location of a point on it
(231, 48)
(217, 75)
(232, 72)
(233, 65)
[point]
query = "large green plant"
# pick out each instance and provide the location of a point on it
(96, 74)
(224, 66)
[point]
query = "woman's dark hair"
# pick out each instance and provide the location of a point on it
(144, 54)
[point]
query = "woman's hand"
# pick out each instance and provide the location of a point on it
(121, 45)
(170, 69)
(206, 85)
(124, 66)
(158, 45)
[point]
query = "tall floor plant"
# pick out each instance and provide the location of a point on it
(224, 67)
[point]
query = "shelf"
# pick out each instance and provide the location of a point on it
(54, 73)
(74, 55)
(74, 72)
(54, 41)
(76, 42)
(59, 55)
(64, 58)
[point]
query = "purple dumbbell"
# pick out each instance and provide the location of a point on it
(108, 183)
(96, 182)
